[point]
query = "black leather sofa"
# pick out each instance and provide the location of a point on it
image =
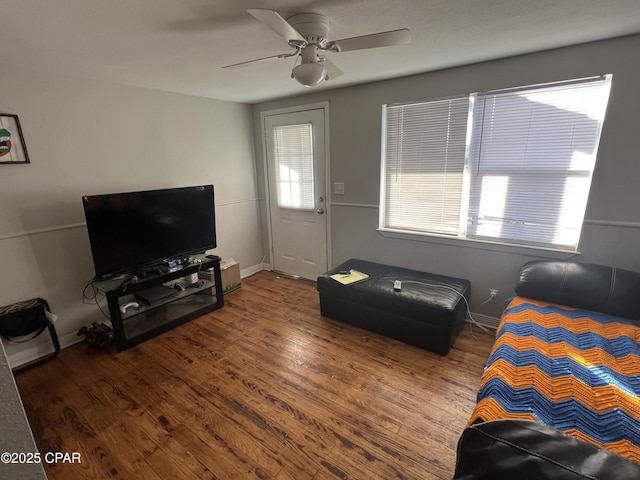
(498, 445)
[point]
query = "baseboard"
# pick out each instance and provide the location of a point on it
(247, 272)
(41, 347)
(485, 320)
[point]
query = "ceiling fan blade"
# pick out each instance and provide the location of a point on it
(278, 24)
(383, 39)
(259, 60)
(333, 71)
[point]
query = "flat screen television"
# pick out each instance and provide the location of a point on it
(133, 230)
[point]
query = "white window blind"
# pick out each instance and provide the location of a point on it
(423, 166)
(532, 157)
(293, 156)
(518, 171)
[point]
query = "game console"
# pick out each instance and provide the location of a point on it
(157, 294)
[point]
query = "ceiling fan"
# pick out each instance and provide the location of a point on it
(307, 34)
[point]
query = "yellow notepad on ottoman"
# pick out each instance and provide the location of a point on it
(348, 278)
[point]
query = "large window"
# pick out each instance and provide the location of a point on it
(511, 166)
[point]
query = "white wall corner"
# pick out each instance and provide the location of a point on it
(247, 272)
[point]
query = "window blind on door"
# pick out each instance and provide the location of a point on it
(293, 157)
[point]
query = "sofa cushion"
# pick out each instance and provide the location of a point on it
(588, 286)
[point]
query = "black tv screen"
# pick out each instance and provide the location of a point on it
(129, 231)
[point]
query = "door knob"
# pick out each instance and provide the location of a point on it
(320, 211)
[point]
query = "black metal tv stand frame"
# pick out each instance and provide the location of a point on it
(136, 325)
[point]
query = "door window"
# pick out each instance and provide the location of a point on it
(293, 156)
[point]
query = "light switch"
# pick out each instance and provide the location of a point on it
(338, 188)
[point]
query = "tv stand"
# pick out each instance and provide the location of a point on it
(137, 324)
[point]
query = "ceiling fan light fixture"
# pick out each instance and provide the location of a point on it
(309, 74)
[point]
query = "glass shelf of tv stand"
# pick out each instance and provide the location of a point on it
(146, 318)
(139, 324)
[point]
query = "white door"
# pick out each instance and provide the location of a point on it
(296, 171)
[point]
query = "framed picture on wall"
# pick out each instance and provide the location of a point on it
(12, 146)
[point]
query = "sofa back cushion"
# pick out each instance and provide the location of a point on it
(586, 286)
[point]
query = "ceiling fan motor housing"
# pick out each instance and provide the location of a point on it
(312, 26)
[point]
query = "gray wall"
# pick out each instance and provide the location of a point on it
(87, 137)
(612, 228)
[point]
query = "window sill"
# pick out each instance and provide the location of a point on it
(480, 244)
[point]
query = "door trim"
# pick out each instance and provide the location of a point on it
(298, 108)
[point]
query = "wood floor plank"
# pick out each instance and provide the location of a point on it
(264, 388)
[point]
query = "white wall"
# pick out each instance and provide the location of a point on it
(86, 137)
(612, 229)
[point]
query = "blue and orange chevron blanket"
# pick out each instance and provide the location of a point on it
(575, 370)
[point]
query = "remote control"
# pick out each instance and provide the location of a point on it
(397, 285)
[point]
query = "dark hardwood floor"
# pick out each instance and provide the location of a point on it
(264, 388)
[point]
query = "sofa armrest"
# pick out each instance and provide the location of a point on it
(524, 449)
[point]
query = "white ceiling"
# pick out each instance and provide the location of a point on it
(181, 45)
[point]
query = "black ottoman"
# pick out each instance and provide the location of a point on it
(428, 312)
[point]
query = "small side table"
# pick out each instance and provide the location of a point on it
(28, 318)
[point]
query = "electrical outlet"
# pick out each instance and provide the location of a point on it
(493, 294)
